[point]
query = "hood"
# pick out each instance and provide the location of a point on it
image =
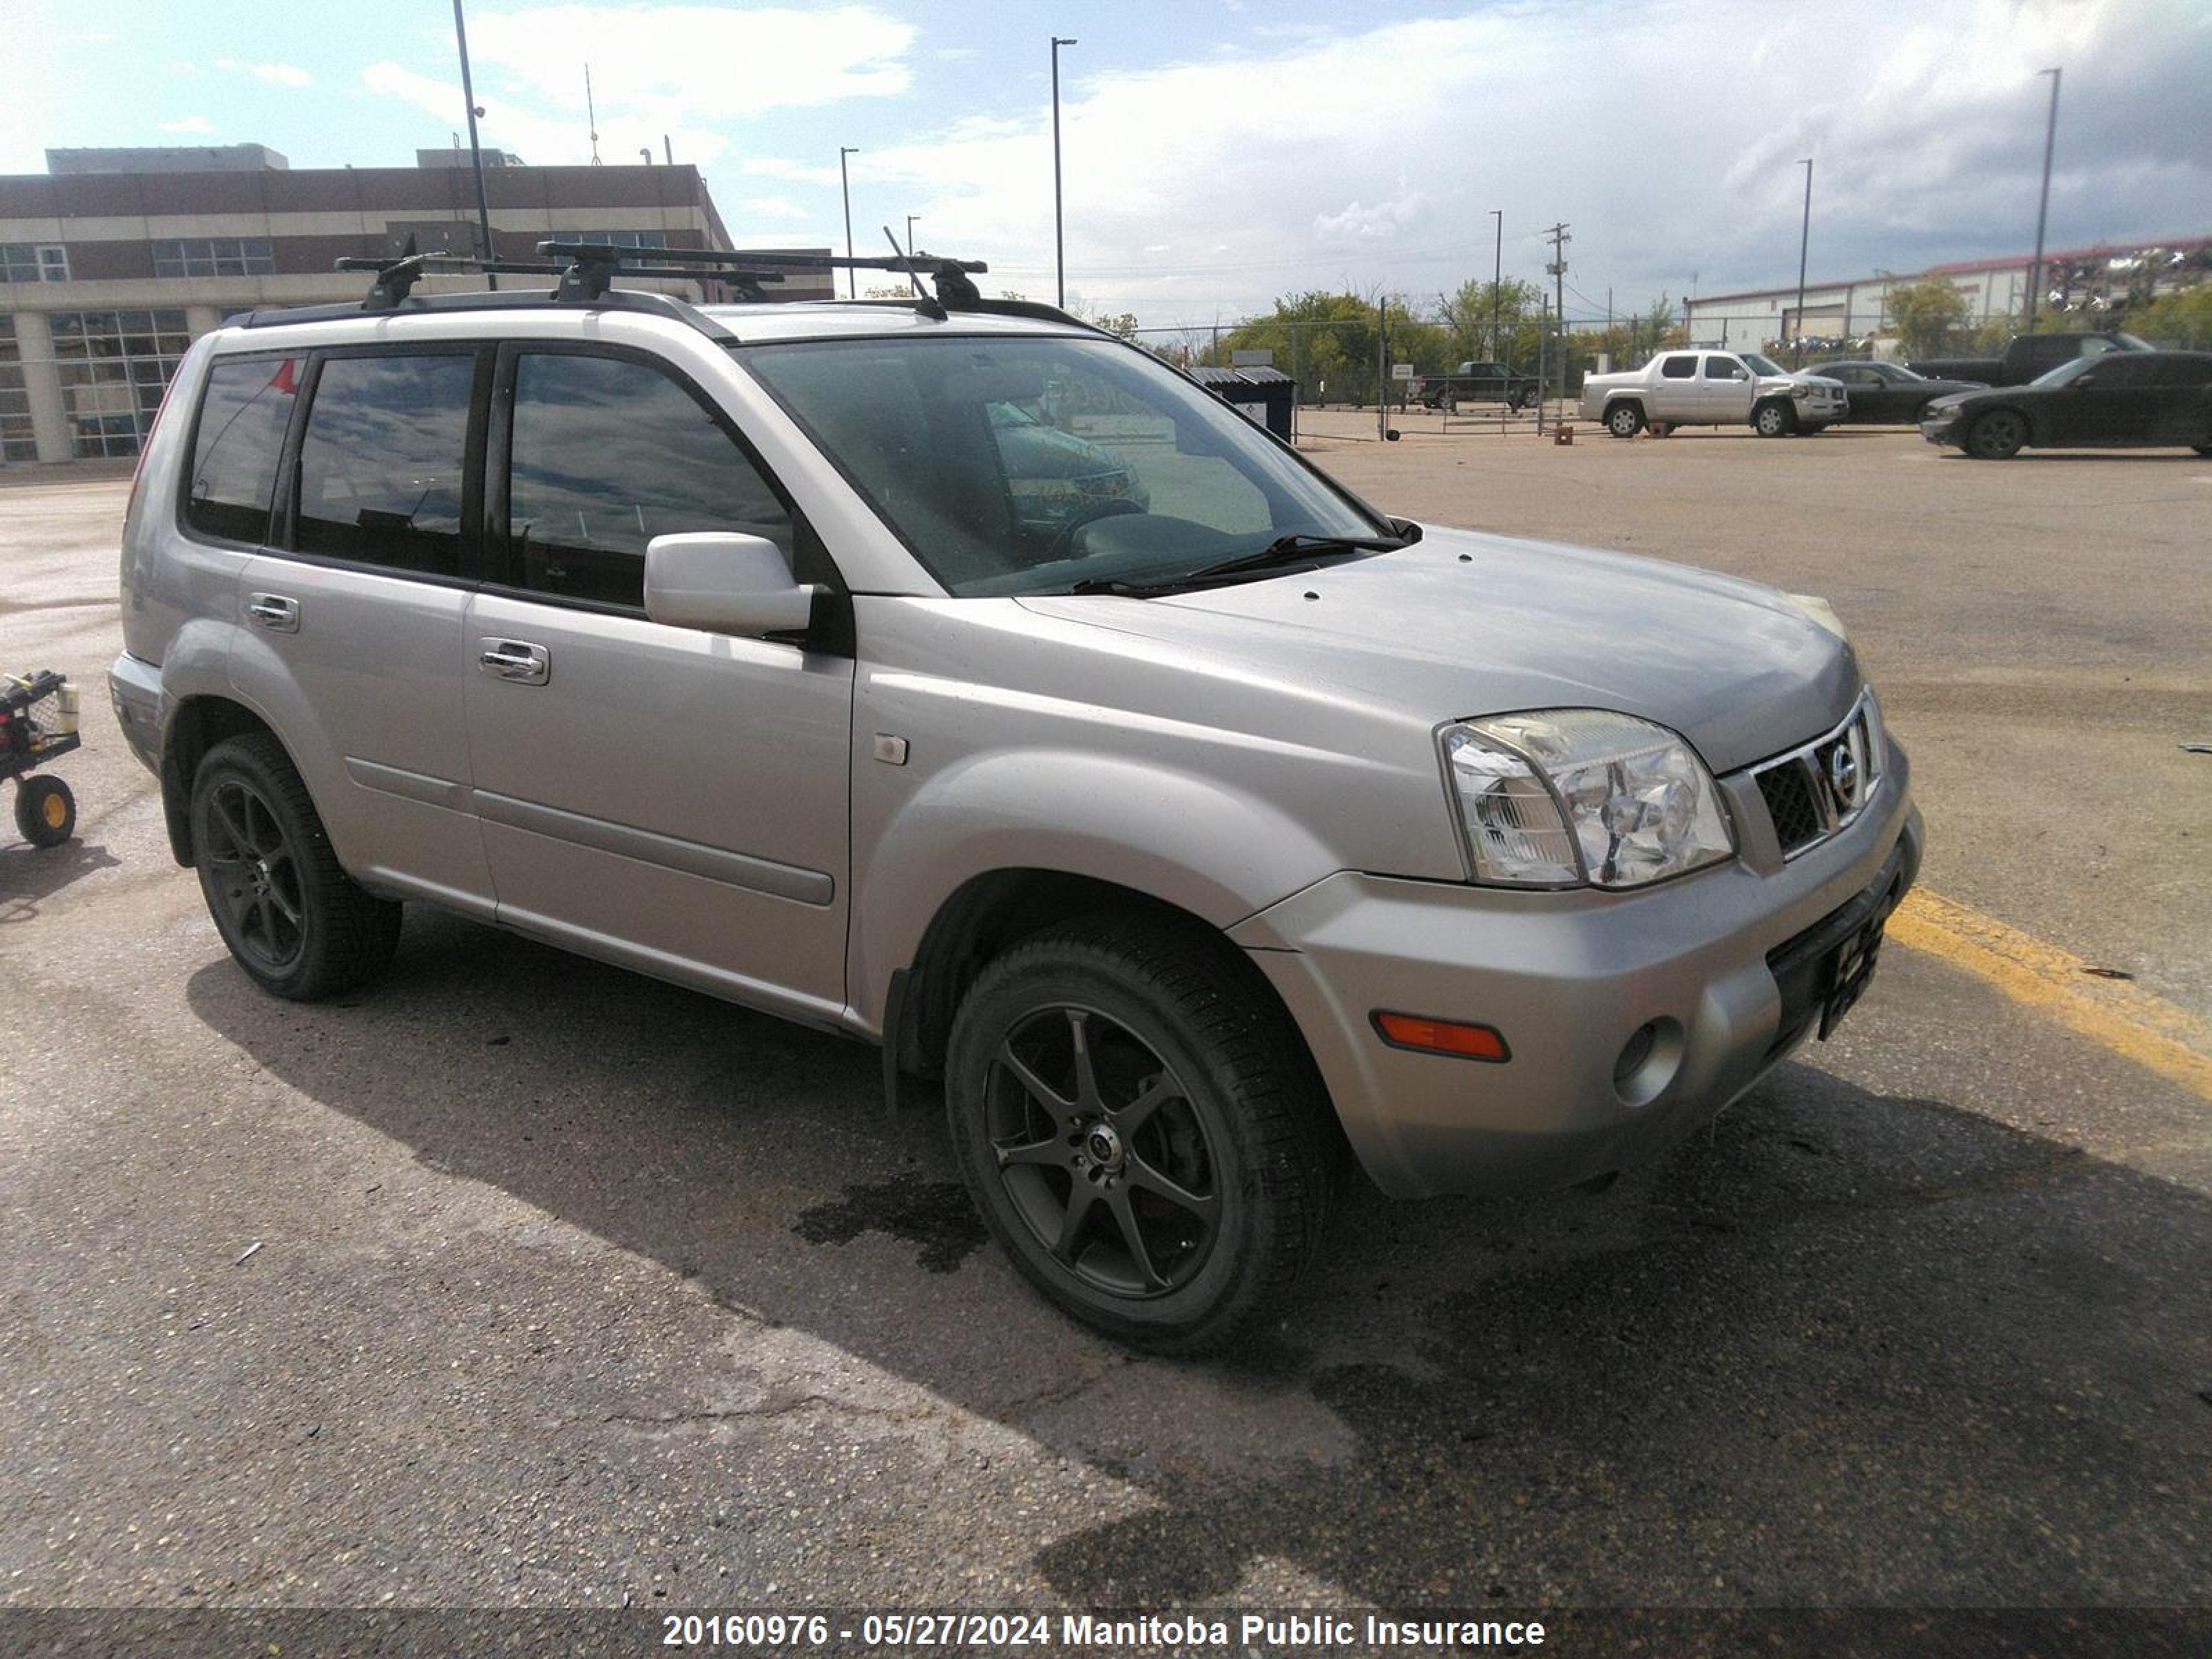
(1463, 624)
(1798, 377)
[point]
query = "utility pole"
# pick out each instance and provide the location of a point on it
(591, 115)
(476, 150)
(1382, 369)
(845, 185)
(1497, 282)
(1543, 360)
(1559, 269)
(1804, 241)
(910, 218)
(1059, 231)
(2043, 208)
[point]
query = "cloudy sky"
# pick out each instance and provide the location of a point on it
(1219, 152)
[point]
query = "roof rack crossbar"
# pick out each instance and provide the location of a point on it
(596, 263)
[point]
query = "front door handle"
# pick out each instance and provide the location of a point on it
(517, 661)
(274, 611)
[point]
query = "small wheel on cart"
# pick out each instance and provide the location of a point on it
(46, 812)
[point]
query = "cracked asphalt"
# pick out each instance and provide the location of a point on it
(572, 1287)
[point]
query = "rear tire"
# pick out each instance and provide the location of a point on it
(46, 812)
(1624, 420)
(1997, 435)
(1142, 1130)
(1774, 420)
(300, 926)
(2202, 449)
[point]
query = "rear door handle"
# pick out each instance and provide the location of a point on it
(517, 661)
(274, 611)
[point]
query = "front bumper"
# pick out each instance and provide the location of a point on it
(1569, 979)
(1943, 430)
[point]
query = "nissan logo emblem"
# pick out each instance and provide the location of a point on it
(1843, 775)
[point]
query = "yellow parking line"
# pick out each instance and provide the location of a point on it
(2123, 1017)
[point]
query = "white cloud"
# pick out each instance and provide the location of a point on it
(277, 75)
(773, 207)
(189, 123)
(777, 167)
(544, 139)
(1373, 158)
(691, 62)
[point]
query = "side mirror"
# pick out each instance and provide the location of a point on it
(723, 582)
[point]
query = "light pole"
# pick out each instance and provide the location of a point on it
(845, 185)
(1804, 241)
(2043, 207)
(476, 150)
(1497, 280)
(1059, 235)
(910, 218)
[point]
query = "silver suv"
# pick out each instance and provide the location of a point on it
(962, 680)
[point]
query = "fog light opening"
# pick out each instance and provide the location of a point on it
(1648, 1062)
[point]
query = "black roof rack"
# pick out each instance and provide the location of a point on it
(584, 273)
(593, 265)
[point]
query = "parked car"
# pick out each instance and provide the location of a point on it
(1475, 383)
(1055, 476)
(1887, 394)
(2130, 400)
(2027, 356)
(1187, 839)
(1713, 388)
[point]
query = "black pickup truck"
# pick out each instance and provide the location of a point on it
(2027, 356)
(1473, 383)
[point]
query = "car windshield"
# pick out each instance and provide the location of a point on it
(1760, 365)
(1014, 464)
(2064, 373)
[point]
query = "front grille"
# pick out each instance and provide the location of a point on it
(1789, 801)
(1820, 787)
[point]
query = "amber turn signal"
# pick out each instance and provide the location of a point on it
(1441, 1037)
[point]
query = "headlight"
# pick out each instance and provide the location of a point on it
(1799, 389)
(1563, 797)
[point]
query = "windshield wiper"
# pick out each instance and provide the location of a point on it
(1298, 548)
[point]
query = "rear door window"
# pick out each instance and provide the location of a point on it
(237, 445)
(607, 454)
(383, 462)
(1684, 367)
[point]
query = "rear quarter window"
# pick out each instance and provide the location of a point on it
(243, 416)
(382, 465)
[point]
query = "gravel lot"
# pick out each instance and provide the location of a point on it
(573, 1287)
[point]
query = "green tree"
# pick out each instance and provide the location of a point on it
(1928, 315)
(1467, 313)
(2183, 319)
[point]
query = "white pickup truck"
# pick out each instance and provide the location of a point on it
(1696, 387)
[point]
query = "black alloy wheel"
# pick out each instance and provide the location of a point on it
(1101, 1152)
(1140, 1125)
(298, 925)
(1997, 435)
(256, 878)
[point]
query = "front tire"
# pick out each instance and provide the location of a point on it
(1773, 420)
(297, 923)
(46, 812)
(1997, 435)
(1142, 1130)
(1624, 420)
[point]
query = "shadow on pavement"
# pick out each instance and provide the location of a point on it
(1843, 1347)
(29, 875)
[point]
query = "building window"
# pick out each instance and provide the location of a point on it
(219, 256)
(34, 262)
(17, 443)
(114, 366)
(625, 238)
